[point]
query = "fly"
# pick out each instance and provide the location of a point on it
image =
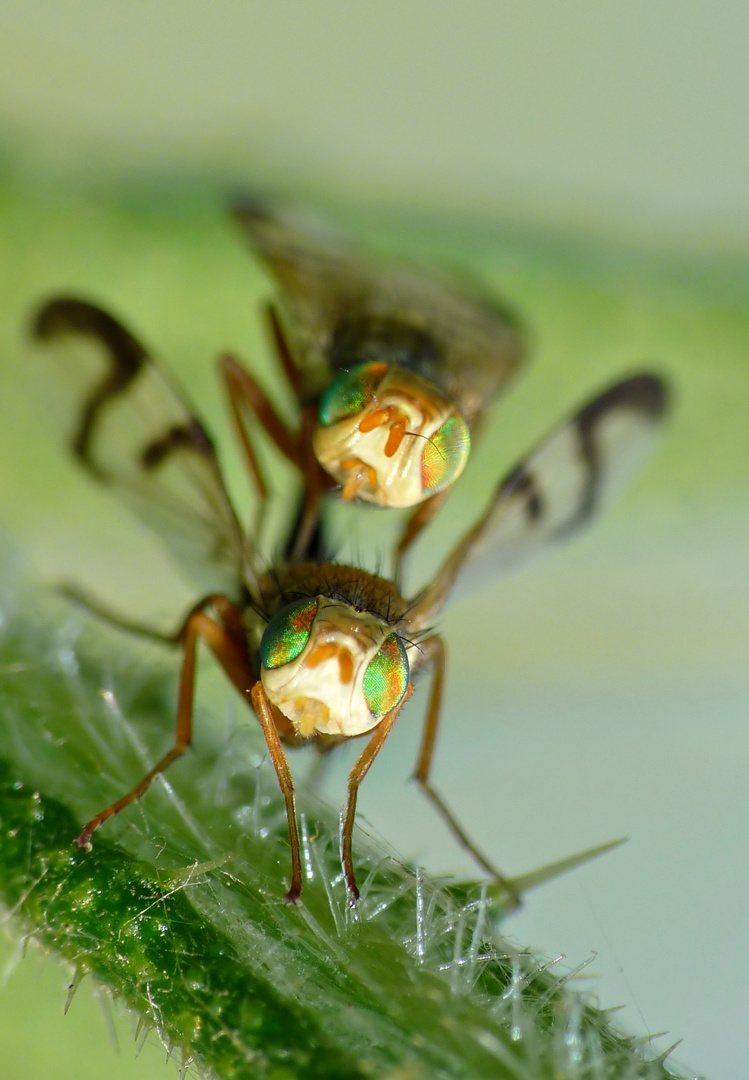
(323, 652)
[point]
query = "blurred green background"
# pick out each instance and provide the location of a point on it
(587, 161)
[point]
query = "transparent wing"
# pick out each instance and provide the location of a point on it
(133, 432)
(557, 489)
(340, 302)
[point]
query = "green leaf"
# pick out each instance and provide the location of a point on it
(179, 908)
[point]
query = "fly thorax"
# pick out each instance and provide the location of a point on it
(332, 669)
(389, 437)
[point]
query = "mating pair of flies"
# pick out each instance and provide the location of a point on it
(393, 368)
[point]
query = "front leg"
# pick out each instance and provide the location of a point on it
(417, 521)
(316, 483)
(225, 639)
(264, 713)
(433, 650)
(248, 399)
(357, 774)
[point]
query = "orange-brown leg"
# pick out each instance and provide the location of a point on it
(285, 782)
(231, 653)
(433, 650)
(290, 367)
(101, 611)
(357, 774)
(245, 393)
(316, 482)
(420, 518)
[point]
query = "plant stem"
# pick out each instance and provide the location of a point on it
(179, 909)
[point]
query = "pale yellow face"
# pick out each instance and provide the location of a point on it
(331, 669)
(389, 437)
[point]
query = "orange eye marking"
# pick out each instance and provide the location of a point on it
(321, 654)
(375, 419)
(395, 437)
(346, 665)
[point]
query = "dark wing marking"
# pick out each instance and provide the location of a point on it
(343, 306)
(132, 431)
(558, 488)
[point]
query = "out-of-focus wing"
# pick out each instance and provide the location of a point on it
(557, 489)
(133, 432)
(343, 306)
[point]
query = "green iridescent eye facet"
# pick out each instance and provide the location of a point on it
(445, 455)
(350, 393)
(287, 633)
(386, 677)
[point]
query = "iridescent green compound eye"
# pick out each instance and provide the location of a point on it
(350, 392)
(287, 633)
(445, 455)
(386, 677)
